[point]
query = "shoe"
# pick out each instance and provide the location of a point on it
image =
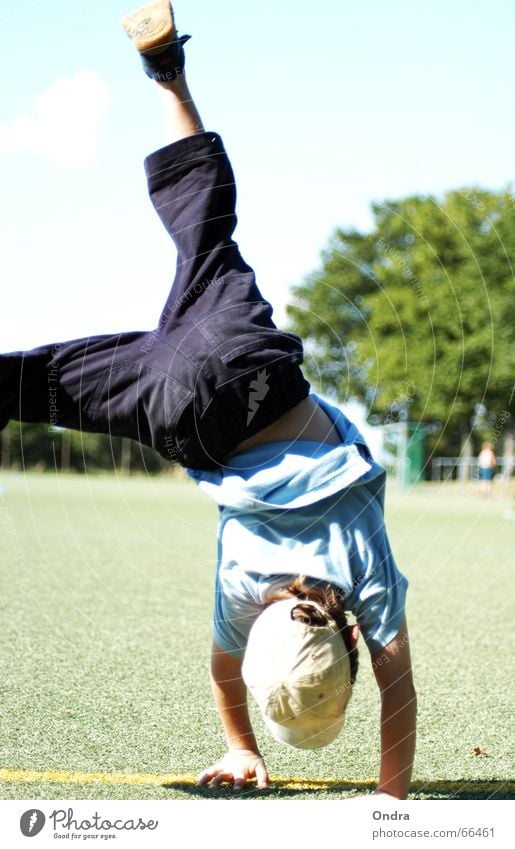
(152, 30)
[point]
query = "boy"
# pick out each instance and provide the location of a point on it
(218, 388)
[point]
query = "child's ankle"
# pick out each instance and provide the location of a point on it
(179, 86)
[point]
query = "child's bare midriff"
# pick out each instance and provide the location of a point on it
(306, 421)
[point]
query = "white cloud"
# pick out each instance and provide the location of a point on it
(64, 125)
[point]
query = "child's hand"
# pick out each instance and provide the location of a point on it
(237, 766)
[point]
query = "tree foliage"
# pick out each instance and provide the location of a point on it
(26, 446)
(417, 318)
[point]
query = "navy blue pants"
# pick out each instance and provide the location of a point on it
(214, 372)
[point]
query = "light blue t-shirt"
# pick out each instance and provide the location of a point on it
(303, 508)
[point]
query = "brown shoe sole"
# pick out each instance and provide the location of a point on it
(151, 26)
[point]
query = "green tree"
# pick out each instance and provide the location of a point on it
(26, 446)
(417, 318)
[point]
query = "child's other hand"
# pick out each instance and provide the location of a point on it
(237, 767)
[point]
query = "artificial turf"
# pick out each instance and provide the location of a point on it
(106, 609)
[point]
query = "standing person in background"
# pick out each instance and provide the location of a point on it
(487, 462)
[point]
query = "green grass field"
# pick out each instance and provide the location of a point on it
(106, 609)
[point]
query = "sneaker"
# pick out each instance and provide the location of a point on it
(152, 30)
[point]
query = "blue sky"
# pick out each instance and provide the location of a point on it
(324, 107)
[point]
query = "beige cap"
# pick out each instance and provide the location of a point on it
(299, 675)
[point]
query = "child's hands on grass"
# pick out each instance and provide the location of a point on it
(237, 767)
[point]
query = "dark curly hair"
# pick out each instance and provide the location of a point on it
(331, 599)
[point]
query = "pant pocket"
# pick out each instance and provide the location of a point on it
(140, 403)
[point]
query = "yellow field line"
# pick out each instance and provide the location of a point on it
(25, 776)
(62, 777)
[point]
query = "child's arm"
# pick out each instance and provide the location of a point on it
(392, 668)
(243, 760)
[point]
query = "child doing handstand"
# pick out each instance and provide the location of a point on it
(218, 388)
